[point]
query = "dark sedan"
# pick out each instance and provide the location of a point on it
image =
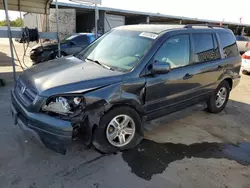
(70, 45)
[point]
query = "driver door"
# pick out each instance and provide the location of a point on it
(166, 93)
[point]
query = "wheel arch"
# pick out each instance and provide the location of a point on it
(230, 82)
(131, 104)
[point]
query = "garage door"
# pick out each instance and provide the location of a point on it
(111, 21)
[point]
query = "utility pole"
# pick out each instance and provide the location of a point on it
(10, 39)
(57, 28)
(96, 20)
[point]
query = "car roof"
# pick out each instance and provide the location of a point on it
(85, 34)
(152, 28)
(157, 28)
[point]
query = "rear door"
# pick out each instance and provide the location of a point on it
(207, 64)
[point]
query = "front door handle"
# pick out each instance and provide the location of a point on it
(187, 76)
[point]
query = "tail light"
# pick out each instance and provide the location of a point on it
(246, 45)
(246, 55)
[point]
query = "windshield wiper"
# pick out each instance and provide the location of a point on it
(103, 65)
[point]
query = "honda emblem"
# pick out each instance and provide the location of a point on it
(23, 89)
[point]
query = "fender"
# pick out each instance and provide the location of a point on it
(100, 101)
(231, 71)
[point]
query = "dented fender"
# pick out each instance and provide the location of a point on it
(98, 102)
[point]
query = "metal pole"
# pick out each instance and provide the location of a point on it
(22, 21)
(243, 31)
(57, 28)
(96, 21)
(47, 22)
(10, 39)
(20, 15)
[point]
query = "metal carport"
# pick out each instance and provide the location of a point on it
(32, 6)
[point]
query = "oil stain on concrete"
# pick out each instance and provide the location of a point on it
(151, 158)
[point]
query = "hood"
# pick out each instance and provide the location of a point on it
(48, 46)
(68, 75)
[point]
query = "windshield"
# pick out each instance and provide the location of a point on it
(119, 49)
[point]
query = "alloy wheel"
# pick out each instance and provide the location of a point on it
(120, 130)
(221, 97)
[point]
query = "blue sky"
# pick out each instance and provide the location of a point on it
(203, 9)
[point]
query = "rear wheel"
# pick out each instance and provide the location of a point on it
(119, 129)
(219, 99)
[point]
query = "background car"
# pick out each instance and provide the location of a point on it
(243, 43)
(70, 45)
(245, 66)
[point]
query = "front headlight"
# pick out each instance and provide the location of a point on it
(64, 105)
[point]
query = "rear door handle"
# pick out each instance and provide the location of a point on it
(187, 76)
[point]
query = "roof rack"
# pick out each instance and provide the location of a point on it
(207, 25)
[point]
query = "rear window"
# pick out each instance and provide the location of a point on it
(242, 38)
(229, 45)
(81, 40)
(205, 47)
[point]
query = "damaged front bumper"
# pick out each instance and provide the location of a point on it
(52, 132)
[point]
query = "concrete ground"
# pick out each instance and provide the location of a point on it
(202, 150)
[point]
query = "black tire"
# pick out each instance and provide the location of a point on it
(55, 54)
(100, 140)
(212, 101)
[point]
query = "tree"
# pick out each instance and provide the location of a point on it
(15, 23)
(3, 23)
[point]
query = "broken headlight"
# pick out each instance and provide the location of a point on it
(64, 105)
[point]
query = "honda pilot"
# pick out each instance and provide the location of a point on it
(131, 75)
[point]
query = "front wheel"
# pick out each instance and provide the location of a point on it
(119, 129)
(219, 98)
(55, 55)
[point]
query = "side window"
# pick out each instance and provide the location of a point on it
(205, 48)
(229, 45)
(81, 40)
(175, 51)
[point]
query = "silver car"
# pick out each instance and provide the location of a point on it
(243, 43)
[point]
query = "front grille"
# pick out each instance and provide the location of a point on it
(26, 95)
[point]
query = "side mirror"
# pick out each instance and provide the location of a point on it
(72, 43)
(160, 67)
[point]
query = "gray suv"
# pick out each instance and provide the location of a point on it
(129, 76)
